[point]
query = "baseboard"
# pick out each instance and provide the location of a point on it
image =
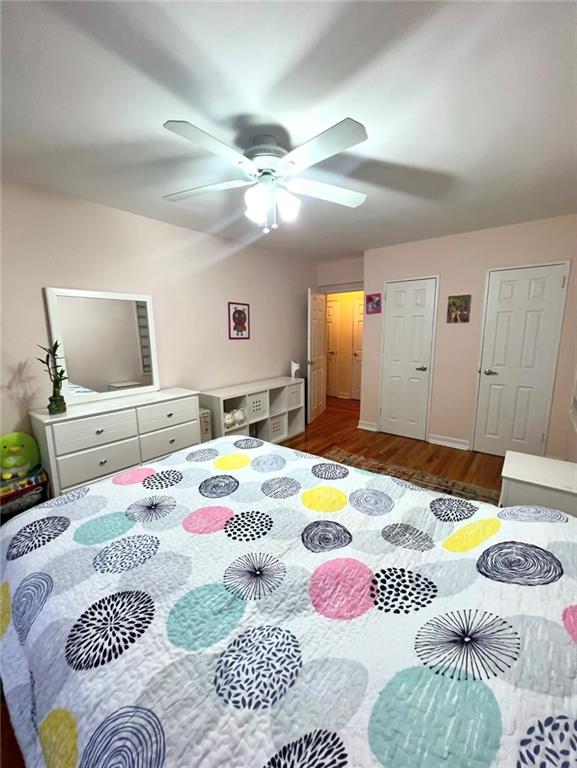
(343, 396)
(370, 426)
(450, 442)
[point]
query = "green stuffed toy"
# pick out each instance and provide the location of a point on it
(19, 455)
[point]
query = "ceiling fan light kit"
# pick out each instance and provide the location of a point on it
(272, 172)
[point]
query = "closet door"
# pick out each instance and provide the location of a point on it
(406, 363)
(523, 319)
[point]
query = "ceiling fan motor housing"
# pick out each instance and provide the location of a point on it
(265, 152)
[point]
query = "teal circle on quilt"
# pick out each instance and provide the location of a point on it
(203, 617)
(103, 528)
(408, 724)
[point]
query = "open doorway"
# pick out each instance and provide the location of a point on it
(344, 342)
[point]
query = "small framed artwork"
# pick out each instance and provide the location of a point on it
(373, 304)
(238, 320)
(458, 309)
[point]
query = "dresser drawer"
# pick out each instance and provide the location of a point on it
(159, 415)
(167, 440)
(78, 468)
(76, 435)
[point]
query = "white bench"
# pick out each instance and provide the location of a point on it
(538, 480)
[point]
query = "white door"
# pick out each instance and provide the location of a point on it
(358, 322)
(317, 357)
(333, 319)
(409, 312)
(523, 319)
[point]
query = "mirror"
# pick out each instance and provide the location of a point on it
(107, 342)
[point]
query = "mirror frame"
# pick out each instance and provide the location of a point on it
(55, 331)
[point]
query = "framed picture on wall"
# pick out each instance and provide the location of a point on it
(373, 303)
(458, 309)
(238, 320)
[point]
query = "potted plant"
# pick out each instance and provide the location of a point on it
(57, 374)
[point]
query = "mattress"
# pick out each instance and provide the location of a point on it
(245, 604)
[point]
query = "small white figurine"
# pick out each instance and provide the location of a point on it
(238, 416)
(228, 419)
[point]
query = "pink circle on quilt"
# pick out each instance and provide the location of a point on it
(207, 519)
(131, 476)
(340, 589)
(570, 620)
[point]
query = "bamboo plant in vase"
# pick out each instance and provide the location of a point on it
(57, 374)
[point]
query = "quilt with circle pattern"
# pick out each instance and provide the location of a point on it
(241, 604)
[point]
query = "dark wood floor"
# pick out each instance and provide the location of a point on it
(337, 427)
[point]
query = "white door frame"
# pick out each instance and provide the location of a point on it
(433, 345)
(483, 323)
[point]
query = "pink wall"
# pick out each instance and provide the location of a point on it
(334, 273)
(69, 243)
(461, 262)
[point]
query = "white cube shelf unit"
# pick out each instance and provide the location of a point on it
(274, 408)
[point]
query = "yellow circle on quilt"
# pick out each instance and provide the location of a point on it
(5, 607)
(471, 535)
(323, 498)
(58, 734)
(232, 461)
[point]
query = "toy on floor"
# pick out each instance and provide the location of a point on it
(19, 456)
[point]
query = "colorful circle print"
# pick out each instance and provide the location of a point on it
(163, 479)
(132, 476)
(327, 471)
(36, 534)
(203, 616)
(131, 737)
(258, 668)
(231, 461)
(207, 519)
(324, 498)
(371, 502)
(218, 486)
(398, 590)
(341, 588)
(280, 487)
(107, 628)
(248, 526)
(408, 723)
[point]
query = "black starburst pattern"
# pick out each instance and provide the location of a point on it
(469, 644)
(254, 576)
(107, 628)
(151, 508)
(36, 534)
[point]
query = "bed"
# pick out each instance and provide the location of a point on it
(245, 604)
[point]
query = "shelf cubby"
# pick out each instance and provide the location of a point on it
(274, 408)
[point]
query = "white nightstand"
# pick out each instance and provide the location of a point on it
(538, 480)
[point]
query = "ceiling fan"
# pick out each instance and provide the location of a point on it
(272, 173)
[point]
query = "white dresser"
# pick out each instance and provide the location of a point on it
(96, 439)
(539, 480)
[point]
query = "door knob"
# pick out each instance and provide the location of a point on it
(489, 372)
(421, 368)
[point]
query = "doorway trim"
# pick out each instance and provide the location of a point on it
(433, 346)
(559, 263)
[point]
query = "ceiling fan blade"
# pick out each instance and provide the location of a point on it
(329, 192)
(233, 184)
(203, 139)
(341, 136)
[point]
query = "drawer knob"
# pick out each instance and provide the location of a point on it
(99, 431)
(102, 462)
(168, 415)
(171, 441)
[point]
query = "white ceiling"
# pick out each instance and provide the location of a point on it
(469, 107)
